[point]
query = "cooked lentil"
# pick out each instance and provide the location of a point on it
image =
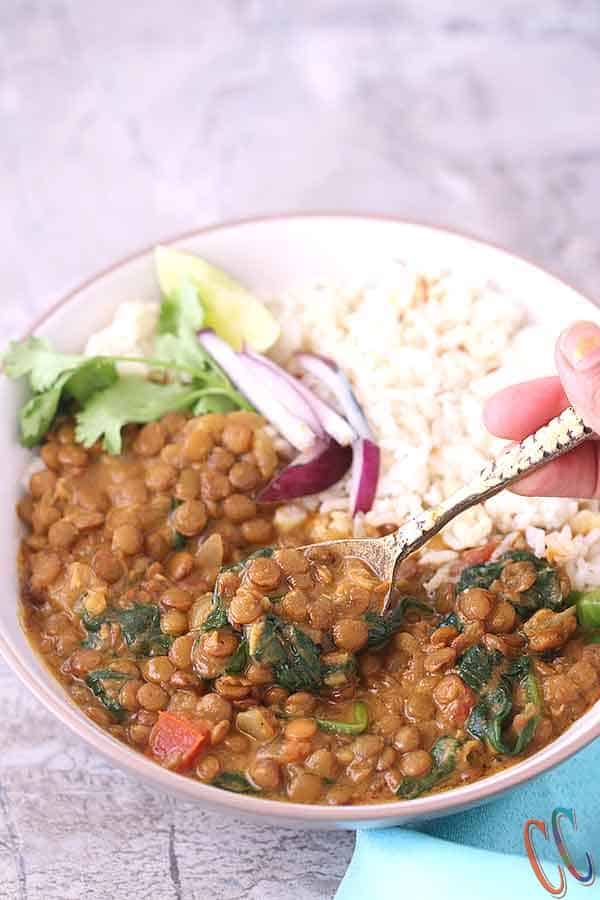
(277, 676)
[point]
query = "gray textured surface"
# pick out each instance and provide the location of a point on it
(121, 123)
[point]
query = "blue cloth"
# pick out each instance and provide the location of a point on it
(482, 850)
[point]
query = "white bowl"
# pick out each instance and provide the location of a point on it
(270, 255)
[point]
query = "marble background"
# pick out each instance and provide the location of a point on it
(123, 123)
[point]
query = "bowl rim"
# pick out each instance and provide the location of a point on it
(390, 812)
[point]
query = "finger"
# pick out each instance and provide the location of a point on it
(577, 474)
(521, 409)
(578, 363)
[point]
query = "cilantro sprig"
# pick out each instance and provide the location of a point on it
(102, 399)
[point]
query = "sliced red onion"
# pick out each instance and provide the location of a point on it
(327, 418)
(294, 429)
(333, 378)
(311, 472)
(365, 475)
(365, 452)
(285, 388)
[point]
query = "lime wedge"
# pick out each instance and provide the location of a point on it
(232, 311)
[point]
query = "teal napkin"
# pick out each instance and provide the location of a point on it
(482, 850)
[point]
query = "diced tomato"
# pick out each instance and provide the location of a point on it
(479, 554)
(176, 742)
(473, 557)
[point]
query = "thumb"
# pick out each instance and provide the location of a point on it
(578, 363)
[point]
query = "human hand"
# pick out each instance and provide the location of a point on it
(519, 410)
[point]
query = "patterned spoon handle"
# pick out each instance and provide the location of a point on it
(560, 435)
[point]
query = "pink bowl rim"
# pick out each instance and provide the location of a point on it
(313, 815)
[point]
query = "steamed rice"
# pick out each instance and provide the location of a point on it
(423, 353)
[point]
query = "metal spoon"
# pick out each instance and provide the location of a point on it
(383, 554)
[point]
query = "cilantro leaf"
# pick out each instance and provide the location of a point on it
(93, 375)
(131, 399)
(181, 310)
(36, 417)
(36, 358)
(210, 402)
(107, 401)
(180, 317)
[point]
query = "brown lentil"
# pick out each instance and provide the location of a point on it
(103, 535)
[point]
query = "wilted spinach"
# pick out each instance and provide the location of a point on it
(217, 617)
(494, 707)
(358, 724)
(95, 681)
(476, 665)
(545, 593)
(238, 662)
(443, 754)
(140, 627)
(452, 619)
(293, 656)
(179, 541)
(234, 781)
(480, 576)
(382, 627)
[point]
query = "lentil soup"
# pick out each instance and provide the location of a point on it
(181, 617)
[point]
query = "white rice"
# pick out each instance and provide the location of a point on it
(423, 354)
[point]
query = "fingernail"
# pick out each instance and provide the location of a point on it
(580, 344)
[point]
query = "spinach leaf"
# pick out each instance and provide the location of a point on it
(490, 714)
(301, 670)
(261, 553)
(95, 681)
(137, 621)
(217, 617)
(381, 628)
(481, 576)
(443, 754)
(265, 641)
(293, 656)
(476, 664)
(452, 619)
(238, 662)
(234, 781)
(140, 627)
(545, 593)
(359, 723)
(179, 541)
